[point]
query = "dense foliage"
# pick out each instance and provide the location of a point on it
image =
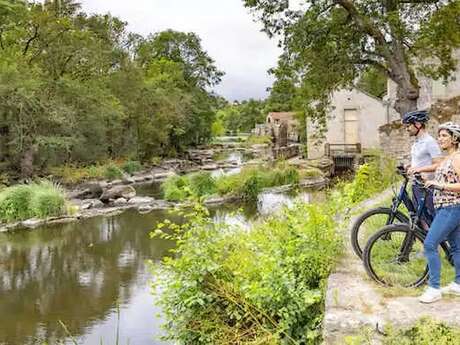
(228, 285)
(78, 88)
(330, 44)
(40, 200)
(240, 117)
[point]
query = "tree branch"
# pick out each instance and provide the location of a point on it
(365, 24)
(376, 64)
(1, 40)
(64, 65)
(26, 48)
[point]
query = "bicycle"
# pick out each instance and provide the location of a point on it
(376, 218)
(394, 254)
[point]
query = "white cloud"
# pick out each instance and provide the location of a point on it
(227, 31)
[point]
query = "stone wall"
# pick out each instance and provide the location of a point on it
(395, 141)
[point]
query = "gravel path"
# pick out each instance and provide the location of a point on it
(354, 302)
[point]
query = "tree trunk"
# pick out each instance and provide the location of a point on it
(407, 92)
(405, 100)
(27, 161)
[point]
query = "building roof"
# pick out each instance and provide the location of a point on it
(282, 116)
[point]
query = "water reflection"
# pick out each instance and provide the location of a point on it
(76, 273)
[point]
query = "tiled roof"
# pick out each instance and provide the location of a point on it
(282, 115)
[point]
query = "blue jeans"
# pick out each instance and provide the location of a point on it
(445, 226)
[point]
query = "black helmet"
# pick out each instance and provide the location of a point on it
(421, 116)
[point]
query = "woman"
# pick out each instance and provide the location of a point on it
(446, 224)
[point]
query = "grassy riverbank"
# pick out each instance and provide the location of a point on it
(247, 184)
(226, 285)
(36, 200)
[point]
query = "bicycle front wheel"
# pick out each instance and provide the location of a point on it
(369, 223)
(393, 256)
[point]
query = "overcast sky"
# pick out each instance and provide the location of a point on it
(226, 28)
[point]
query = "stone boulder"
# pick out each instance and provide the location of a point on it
(91, 203)
(116, 192)
(141, 200)
(120, 202)
(90, 190)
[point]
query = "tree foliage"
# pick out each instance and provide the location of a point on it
(79, 88)
(330, 43)
(241, 117)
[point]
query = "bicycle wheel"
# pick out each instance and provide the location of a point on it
(393, 256)
(368, 223)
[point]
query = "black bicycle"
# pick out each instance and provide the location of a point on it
(393, 256)
(372, 220)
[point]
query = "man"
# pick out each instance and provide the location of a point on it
(425, 151)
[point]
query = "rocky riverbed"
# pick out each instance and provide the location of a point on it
(97, 198)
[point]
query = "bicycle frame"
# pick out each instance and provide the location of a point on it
(402, 198)
(416, 226)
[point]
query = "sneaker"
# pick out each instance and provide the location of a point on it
(452, 289)
(430, 295)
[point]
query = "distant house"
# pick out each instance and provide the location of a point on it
(276, 119)
(353, 121)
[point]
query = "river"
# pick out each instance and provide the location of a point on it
(89, 274)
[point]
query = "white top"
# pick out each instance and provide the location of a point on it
(424, 149)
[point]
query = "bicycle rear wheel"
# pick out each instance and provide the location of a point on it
(370, 222)
(393, 256)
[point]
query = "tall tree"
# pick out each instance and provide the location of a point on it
(185, 49)
(329, 43)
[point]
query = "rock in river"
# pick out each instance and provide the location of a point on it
(126, 192)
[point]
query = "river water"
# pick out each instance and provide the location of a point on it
(88, 274)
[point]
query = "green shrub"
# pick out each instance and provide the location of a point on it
(175, 188)
(202, 183)
(35, 200)
(15, 202)
(112, 172)
(264, 286)
(131, 167)
(47, 200)
(251, 187)
(226, 185)
(370, 178)
(424, 332)
(95, 171)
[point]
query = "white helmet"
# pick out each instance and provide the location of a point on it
(453, 128)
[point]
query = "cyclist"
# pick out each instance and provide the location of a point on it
(425, 151)
(446, 224)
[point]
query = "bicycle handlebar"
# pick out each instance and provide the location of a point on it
(418, 179)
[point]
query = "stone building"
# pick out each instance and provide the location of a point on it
(443, 100)
(353, 121)
(277, 120)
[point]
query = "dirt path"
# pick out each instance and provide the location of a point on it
(354, 302)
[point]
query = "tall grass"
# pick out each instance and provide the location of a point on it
(247, 184)
(41, 200)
